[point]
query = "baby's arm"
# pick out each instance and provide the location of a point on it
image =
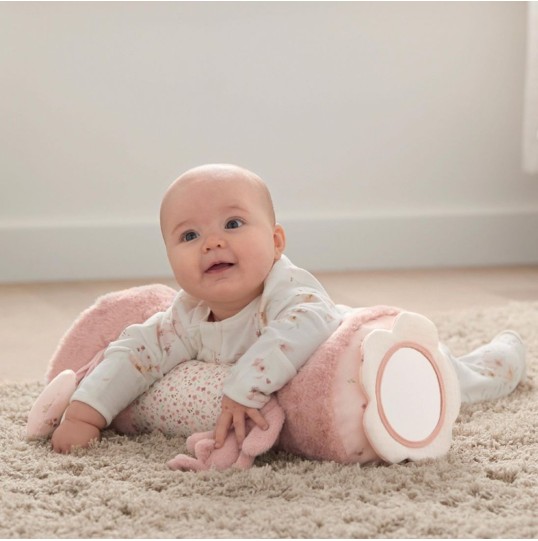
(285, 344)
(296, 327)
(142, 354)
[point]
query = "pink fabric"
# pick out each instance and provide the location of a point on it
(311, 429)
(103, 322)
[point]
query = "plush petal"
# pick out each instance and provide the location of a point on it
(374, 348)
(47, 411)
(412, 390)
(412, 327)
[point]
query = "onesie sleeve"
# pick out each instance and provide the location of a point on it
(142, 354)
(298, 318)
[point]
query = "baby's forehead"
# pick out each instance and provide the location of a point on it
(230, 189)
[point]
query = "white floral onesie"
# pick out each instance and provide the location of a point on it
(264, 345)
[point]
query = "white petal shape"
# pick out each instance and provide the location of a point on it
(47, 411)
(374, 347)
(416, 328)
(412, 390)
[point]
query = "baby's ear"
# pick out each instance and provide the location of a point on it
(279, 238)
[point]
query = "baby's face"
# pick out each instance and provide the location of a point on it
(220, 239)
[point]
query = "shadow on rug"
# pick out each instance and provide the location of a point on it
(487, 486)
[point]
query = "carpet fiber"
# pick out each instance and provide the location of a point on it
(487, 486)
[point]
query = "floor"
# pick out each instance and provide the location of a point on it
(33, 317)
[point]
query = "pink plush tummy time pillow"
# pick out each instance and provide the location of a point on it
(379, 387)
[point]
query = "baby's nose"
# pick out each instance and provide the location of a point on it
(213, 242)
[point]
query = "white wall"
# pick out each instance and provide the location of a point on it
(389, 133)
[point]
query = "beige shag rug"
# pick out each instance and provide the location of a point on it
(486, 487)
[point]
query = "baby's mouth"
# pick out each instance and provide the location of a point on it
(218, 267)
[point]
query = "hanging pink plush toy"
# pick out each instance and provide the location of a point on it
(257, 442)
(379, 389)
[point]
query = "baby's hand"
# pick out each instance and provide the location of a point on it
(234, 414)
(72, 434)
(81, 426)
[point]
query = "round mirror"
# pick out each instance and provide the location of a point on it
(408, 416)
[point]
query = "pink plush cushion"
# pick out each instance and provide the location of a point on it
(103, 322)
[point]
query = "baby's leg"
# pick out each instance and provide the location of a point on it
(492, 370)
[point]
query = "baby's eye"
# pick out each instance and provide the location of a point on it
(188, 236)
(234, 223)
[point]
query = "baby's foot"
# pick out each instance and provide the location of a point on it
(516, 368)
(493, 370)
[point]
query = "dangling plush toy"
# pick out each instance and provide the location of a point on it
(230, 455)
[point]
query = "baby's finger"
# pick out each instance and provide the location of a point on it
(221, 428)
(258, 418)
(239, 427)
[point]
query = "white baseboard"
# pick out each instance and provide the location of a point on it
(96, 251)
(416, 241)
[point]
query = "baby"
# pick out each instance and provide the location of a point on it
(241, 303)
